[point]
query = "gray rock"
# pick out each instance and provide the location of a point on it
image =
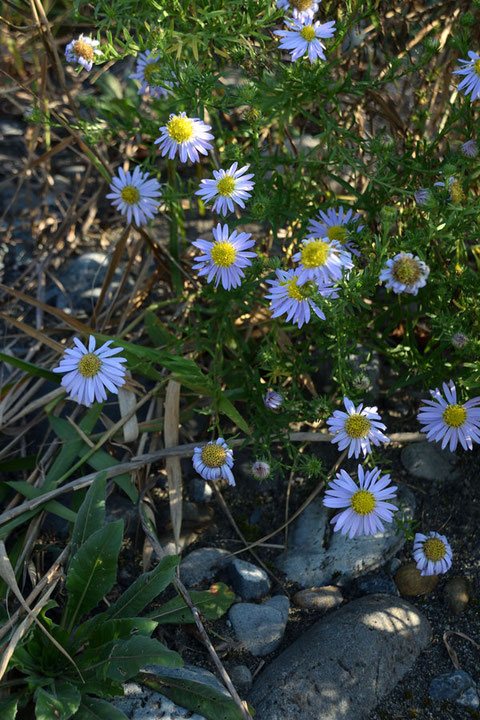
(248, 580)
(469, 699)
(201, 490)
(11, 128)
(201, 565)
(428, 461)
(377, 583)
(344, 664)
(260, 628)
(450, 686)
(315, 556)
(241, 678)
(140, 703)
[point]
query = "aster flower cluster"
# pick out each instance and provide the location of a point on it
(303, 35)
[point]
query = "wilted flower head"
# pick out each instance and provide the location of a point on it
(459, 340)
(82, 51)
(405, 273)
(148, 66)
(273, 400)
(422, 196)
(260, 470)
(470, 148)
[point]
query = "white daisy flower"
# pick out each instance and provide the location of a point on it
(405, 273)
(471, 70)
(334, 225)
(470, 148)
(299, 9)
(357, 428)
(294, 300)
(82, 51)
(304, 37)
(227, 187)
(148, 66)
(214, 460)
(422, 196)
(321, 260)
(366, 503)
(134, 195)
(448, 421)
(88, 371)
(273, 400)
(225, 258)
(432, 553)
(189, 136)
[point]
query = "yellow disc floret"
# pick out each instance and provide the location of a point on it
(434, 549)
(477, 67)
(213, 455)
(180, 129)
(150, 70)
(337, 232)
(454, 415)
(406, 270)
(130, 195)
(308, 33)
(295, 292)
(223, 254)
(301, 5)
(89, 365)
(226, 186)
(357, 426)
(315, 254)
(83, 49)
(456, 191)
(362, 502)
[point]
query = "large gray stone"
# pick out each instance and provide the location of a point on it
(260, 628)
(428, 461)
(315, 556)
(201, 565)
(140, 703)
(343, 665)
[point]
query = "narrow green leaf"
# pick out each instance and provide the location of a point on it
(92, 572)
(212, 604)
(52, 506)
(226, 407)
(91, 515)
(29, 368)
(61, 702)
(8, 709)
(21, 463)
(95, 709)
(128, 656)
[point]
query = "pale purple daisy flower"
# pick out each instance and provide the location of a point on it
(214, 461)
(366, 503)
(300, 9)
(287, 296)
(448, 421)
(273, 400)
(357, 428)
(225, 258)
(304, 37)
(88, 371)
(470, 148)
(321, 260)
(134, 195)
(471, 70)
(260, 470)
(334, 225)
(405, 273)
(432, 553)
(82, 51)
(228, 187)
(422, 196)
(148, 65)
(187, 135)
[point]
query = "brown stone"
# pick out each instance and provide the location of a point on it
(457, 592)
(320, 599)
(411, 583)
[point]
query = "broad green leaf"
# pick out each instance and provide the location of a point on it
(91, 514)
(73, 443)
(101, 460)
(212, 604)
(99, 637)
(92, 572)
(95, 709)
(196, 696)
(30, 368)
(59, 702)
(21, 463)
(128, 656)
(8, 709)
(226, 407)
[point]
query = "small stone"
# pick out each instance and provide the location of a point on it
(469, 699)
(457, 591)
(428, 461)
(241, 678)
(201, 490)
(196, 515)
(377, 583)
(411, 583)
(141, 703)
(260, 628)
(450, 686)
(202, 564)
(320, 599)
(248, 580)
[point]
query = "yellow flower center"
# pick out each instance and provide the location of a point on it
(434, 549)
(477, 67)
(308, 33)
(337, 232)
(295, 292)
(150, 70)
(357, 426)
(301, 4)
(213, 455)
(406, 270)
(315, 254)
(223, 254)
(180, 129)
(362, 502)
(226, 186)
(454, 415)
(130, 195)
(89, 365)
(456, 190)
(83, 49)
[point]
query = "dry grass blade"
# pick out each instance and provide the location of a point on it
(127, 404)
(174, 471)
(28, 330)
(451, 652)
(116, 257)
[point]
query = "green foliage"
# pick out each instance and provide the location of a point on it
(212, 604)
